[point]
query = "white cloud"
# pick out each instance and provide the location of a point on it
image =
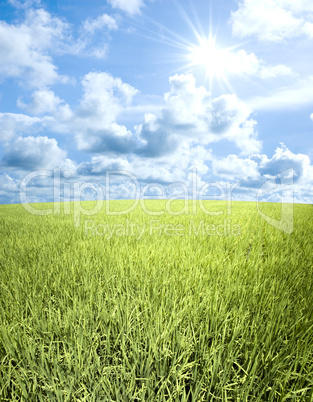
(44, 101)
(31, 153)
(190, 116)
(279, 70)
(7, 183)
(25, 47)
(164, 169)
(258, 171)
(232, 168)
(258, 168)
(95, 120)
(248, 64)
(12, 124)
(93, 123)
(103, 21)
(9, 187)
(174, 167)
(99, 165)
(93, 38)
(311, 117)
(294, 96)
(249, 173)
(24, 4)
(273, 20)
(230, 119)
(284, 159)
(129, 6)
(104, 96)
(298, 7)
(113, 138)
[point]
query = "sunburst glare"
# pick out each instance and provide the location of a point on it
(202, 55)
(209, 56)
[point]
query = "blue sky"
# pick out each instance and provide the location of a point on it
(166, 90)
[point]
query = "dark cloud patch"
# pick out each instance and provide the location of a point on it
(31, 153)
(283, 160)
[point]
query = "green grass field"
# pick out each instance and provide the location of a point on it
(180, 313)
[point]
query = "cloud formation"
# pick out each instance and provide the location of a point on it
(247, 64)
(94, 122)
(129, 6)
(25, 48)
(44, 101)
(90, 26)
(282, 160)
(233, 168)
(93, 37)
(31, 153)
(273, 20)
(8, 188)
(298, 94)
(12, 124)
(190, 116)
(256, 169)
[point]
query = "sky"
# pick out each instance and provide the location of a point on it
(172, 94)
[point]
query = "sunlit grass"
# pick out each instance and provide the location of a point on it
(168, 316)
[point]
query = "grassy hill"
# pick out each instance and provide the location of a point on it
(140, 307)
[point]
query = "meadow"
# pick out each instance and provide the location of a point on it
(139, 307)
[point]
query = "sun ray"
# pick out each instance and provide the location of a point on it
(201, 56)
(210, 58)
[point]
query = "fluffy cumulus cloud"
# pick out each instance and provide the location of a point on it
(273, 20)
(196, 166)
(104, 95)
(166, 147)
(240, 62)
(232, 167)
(129, 6)
(247, 64)
(284, 160)
(254, 171)
(93, 37)
(165, 169)
(99, 165)
(293, 96)
(90, 26)
(230, 119)
(12, 124)
(9, 187)
(191, 116)
(31, 153)
(44, 101)
(25, 47)
(95, 123)
(177, 167)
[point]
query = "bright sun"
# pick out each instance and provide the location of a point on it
(208, 56)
